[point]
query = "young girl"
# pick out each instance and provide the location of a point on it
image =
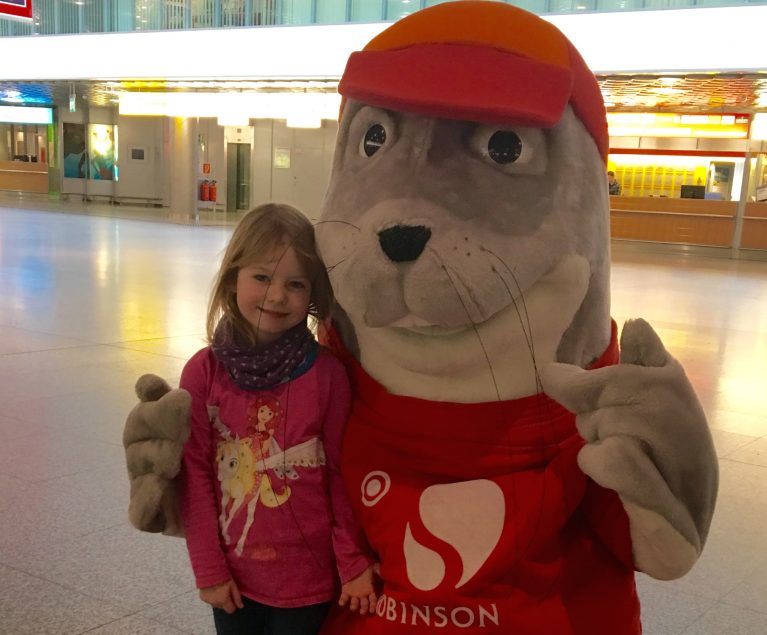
(268, 523)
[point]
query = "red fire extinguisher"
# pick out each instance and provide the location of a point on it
(205, 190)
(213, 191)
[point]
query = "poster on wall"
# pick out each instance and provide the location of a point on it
(102, 142)
(16, 9)
(75, 151)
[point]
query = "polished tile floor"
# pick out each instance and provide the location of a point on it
(90, 299)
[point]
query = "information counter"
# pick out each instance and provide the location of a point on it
(22, 176)
(755, 226)
(673, 220)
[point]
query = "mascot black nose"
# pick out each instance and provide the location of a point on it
(403, 243)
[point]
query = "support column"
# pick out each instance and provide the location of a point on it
(181, 165)
(741, 209)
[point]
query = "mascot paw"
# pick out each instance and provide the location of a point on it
(648, 440)
(154, 436)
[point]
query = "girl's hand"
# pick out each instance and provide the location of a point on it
(360, 593)
(224, 596)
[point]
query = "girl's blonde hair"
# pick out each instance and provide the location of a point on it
(261, 231)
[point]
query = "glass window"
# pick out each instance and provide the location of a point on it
(296, 12)
(667, 4)
(203, 14)
(534, 6)
(45, 17)
(570, 6)
(366, 11)
(396, 9)
(68, 18)
(621, 5)
(331, 11)
(151, 15)
(93, 16)
(173, 15)
(233, 13)
(265, 12)
(123, 15)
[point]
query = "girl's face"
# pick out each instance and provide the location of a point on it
(273, 294)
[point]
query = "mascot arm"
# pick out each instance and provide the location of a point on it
(648, 440)
(154, 436)
(349, 545)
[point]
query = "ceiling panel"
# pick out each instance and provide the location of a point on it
(709, 92)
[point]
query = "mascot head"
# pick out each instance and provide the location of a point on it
(466, 224)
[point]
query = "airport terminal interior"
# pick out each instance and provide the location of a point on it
(118, 195)
(91, 299)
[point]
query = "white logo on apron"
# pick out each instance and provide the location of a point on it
(468, 516)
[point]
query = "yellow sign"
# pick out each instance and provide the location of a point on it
(668, 124)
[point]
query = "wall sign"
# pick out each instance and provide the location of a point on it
(669, 124)
(16, 9)
(282, 158)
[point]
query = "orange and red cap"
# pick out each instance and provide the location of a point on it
(477, 61)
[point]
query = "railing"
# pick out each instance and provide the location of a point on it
(53, 17)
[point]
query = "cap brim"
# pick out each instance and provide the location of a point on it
(441, 80)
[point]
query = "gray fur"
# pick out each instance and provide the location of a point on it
(154, 436)
(648, 440)
(497, 230)
(496, 234)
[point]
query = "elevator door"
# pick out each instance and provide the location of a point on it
(237, 177)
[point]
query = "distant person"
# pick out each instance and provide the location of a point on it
(613, 185)
(268, 522)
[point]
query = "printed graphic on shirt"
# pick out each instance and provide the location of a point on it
(246, 466)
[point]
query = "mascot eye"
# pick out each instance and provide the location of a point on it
(514, 151)
(374, 139)
(504, 147)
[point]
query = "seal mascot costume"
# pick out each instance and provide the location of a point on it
(510, 467)
(472, 266)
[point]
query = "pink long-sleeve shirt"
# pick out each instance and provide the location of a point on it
(262, 499)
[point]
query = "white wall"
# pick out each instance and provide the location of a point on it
(310, 152)
(141, 178)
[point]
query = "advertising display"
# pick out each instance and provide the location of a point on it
(75, 151)
(16, 9)
(102, 151)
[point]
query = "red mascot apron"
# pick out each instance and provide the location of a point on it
(481, 519)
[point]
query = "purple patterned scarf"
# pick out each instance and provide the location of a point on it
(289, 356)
